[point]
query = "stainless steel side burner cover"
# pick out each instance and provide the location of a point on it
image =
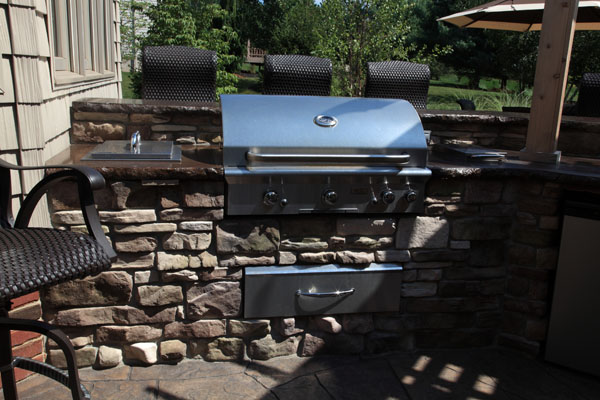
(120, 150)
(309, 154)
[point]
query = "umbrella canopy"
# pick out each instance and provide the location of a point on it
(520, 15)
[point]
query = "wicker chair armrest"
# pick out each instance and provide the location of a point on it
(88, 180)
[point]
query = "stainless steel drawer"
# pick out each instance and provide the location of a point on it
(283, 291)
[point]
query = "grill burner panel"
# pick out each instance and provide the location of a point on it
(294, 155)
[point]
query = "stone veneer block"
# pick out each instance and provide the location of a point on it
(142, 244)
(326, 343)
(241, 261)
(249, 328)
(83, 229)
(109, 357)
(200, 226)
(172, 350)
(460, 244)
(112, 315)
(193, 214)
(168, 262)
(327, 324)
(68, 218)
(180, 241)
(89, 132)
(357, 323)
(208, 260)
(353, 257)
(127, 334)
(388, 256)
(214, 300)
(267, 348)
(206, 328)
(419, 289)
(324, 257)
(144, 352)
(134, 261)
(482, 192)
(286, 258)
(84, 357)
(369, 243)
(287, 326)
(152, 296)
(106, 288)
(366, 226)
(145, 228)
(204, 194)
(221, 349)
(242, 236)
(180, 276)
(481, 228)
(141, 277)
(128, 216)
(422, 232)
(305, 244)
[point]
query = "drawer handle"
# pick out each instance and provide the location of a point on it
(337, 293)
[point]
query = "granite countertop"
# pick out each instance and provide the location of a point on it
(206, 163)
(197, 162)
(573, 170)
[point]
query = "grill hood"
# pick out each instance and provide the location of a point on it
(261, 130)
(304, 154)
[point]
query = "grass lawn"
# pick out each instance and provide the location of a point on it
(125, 88)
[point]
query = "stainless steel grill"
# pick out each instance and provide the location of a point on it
(292, 155)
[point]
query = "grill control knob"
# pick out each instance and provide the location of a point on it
(283, 202)
(388, 196)
(410, 196)
(330, 197)
(270, 198)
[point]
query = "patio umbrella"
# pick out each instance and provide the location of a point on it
(559, 19)
(520, 15)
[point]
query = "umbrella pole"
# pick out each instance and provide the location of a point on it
(551, 73)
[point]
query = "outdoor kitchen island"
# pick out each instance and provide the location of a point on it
(477, 264)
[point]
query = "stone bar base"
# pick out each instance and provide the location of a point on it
(477, 265)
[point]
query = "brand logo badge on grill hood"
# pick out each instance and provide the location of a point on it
(325, 121)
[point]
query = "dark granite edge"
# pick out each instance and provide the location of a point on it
(538, 172)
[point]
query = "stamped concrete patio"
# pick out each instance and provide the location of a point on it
(442, 374)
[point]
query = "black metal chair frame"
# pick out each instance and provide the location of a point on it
(298, 75)
(88, 180)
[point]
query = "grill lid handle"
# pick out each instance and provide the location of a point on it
(378, 159)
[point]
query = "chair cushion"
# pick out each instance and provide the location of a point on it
(33, 258)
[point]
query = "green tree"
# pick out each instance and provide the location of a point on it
(195, 23)
(353, 32)
(133, 23)
(296, 31)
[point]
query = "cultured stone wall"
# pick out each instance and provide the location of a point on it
(97, 120)
(579, 136)
(476, 269)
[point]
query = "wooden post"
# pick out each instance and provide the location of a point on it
(551, 73)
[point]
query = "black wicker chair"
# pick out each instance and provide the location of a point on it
(588, 101)
(34, 258)
(179, 73)
(398, 80)
(297, 75)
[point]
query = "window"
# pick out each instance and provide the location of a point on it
(82, 40)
